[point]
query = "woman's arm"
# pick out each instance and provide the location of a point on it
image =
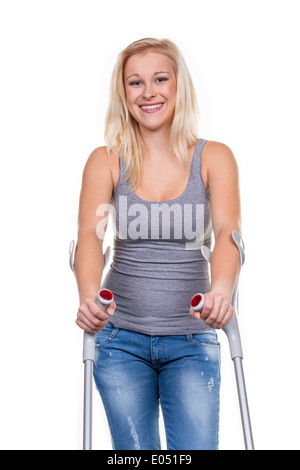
(97, 189)
(221, 174)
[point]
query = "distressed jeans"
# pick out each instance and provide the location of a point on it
(134, 373)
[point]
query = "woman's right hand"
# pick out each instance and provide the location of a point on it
(90, 317)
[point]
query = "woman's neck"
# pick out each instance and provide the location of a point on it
(158, 143)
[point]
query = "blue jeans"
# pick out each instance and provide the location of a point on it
(135, 372)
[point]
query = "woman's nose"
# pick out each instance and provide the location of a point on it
(149, 91)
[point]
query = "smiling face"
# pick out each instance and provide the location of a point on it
(150, 86)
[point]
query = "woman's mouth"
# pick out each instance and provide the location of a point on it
(151, 108)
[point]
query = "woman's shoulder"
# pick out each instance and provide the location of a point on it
(101, 156)
(216, 157)
(100, 161)
(217, 150)
(216, 154)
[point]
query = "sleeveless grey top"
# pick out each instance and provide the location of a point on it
(157, 265)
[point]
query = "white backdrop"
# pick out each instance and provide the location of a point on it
(56, 61)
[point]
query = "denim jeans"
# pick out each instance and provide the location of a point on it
(135, 372)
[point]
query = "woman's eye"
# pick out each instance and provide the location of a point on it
(161, 79)
(135, 83)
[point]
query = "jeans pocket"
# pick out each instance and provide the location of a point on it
(205, 338)
(106, 335)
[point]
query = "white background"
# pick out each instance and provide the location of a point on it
(56, 61)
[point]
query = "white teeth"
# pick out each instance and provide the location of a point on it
(155, 106)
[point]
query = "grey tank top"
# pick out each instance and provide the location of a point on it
(157, 264)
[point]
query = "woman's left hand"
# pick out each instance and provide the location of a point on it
(216, 312)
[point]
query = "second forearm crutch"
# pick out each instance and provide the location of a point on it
(233, 335)
(104, 299)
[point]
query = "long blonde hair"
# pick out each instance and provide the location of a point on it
(122, 134)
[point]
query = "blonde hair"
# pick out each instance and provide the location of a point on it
(122, 134)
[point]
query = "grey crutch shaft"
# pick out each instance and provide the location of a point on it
(244, 409)
(104, 299)
(87, 406)
(235, 345)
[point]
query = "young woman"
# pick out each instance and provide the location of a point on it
(167, 191)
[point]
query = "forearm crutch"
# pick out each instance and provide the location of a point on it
(104, 299)
(234, 338)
